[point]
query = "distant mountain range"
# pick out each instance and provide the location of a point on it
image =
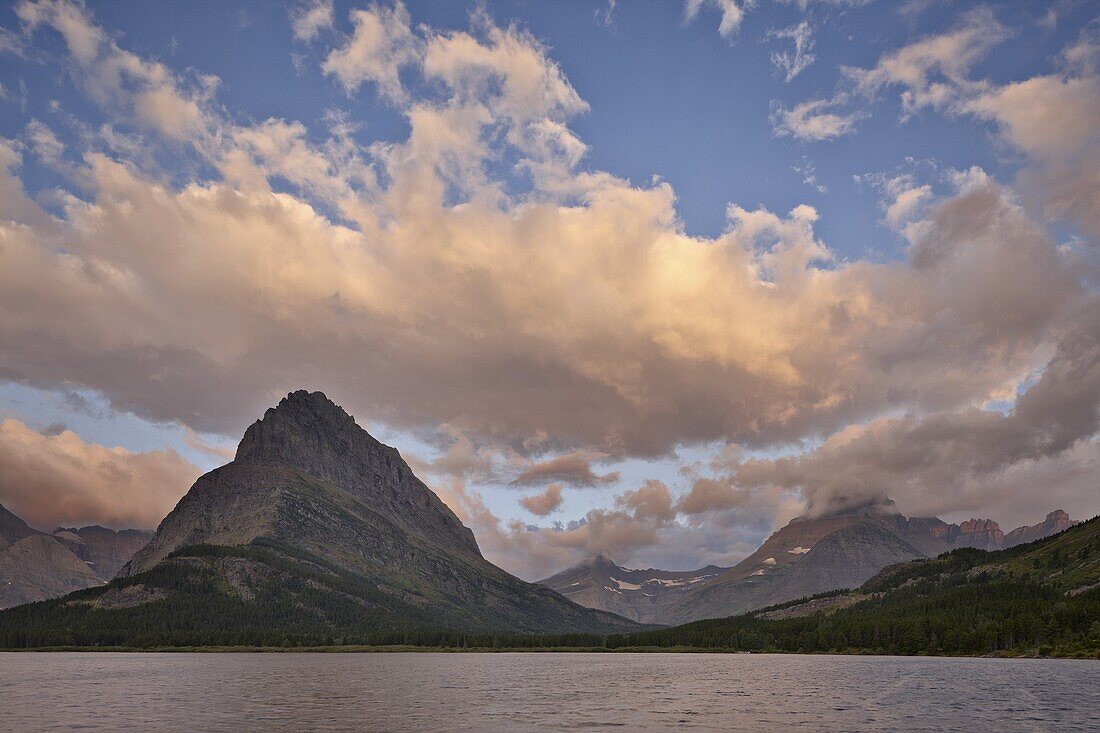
(1038, 598)
(647, 596)
(806, 557)
(315, 532)
(35, 565)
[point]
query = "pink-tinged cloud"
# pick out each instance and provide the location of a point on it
(50, 480)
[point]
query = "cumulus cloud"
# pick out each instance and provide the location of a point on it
(547, 502)
(57, 478)
(950, 461)
(559, 312)
(584, 313)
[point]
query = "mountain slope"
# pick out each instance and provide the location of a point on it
(106, 550)
(842, 558)
(37, 567)
(646, 595)
(1042, 597)
(314, 531)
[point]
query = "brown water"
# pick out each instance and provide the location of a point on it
(517, 692)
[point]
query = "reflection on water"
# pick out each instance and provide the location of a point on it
(515, 692)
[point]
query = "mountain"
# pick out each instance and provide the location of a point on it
(842, 550)
(642, 595)
(105, 550)
(314, 532)
(1041, 598)
(35, 565)
(809, 555)
(1056, 521)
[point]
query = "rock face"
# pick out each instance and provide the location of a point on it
(310, 493)
(105, 550)
(646, 595)
(1057, 521)
(985, 534)
(35, 566)
(39, 567)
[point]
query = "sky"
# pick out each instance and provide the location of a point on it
(634, 278)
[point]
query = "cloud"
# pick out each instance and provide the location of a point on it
(934, 71)
(732, 12)
(813, 121)
(550, 310)
(574, 469)
(950, 461)
(652, 501)
(381, 44)
(144, 91)
(57, 478)
(548, 502)
(44, 143)
(309, 19)
(794, 62)
(1051, 119)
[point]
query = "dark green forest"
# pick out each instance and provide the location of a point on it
(1042, 599)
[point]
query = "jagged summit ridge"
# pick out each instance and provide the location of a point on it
(301, 424)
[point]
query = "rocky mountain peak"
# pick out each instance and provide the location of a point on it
(313, 434)
(979, 525)
(294, 430)
(305, 435)
(1057, 521)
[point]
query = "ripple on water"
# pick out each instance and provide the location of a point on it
(518, 692)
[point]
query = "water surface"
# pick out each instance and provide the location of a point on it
(530, 691)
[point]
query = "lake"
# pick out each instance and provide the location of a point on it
(531, 691)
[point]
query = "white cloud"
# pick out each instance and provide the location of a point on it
(814, 120)
(309, 19)
(732, 12)
(794, 62)
(146, 91)
(934, 71)
(381, 44)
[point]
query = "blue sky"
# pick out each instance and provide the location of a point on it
(675, 370)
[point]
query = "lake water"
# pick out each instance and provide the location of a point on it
(517, 692)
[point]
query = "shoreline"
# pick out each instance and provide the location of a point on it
(406, 649)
